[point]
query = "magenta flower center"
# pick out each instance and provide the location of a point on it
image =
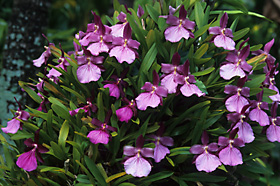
(95, 28)
(104, 126)
(154, 88)
(273, 121)
(125, 42)
(230, 143)
(271, 79)
(206, 149)
(186, 79)
(238, 91)
(180, 22)
(259, 104)
(101, 39)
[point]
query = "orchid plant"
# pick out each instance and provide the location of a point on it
(160, 77)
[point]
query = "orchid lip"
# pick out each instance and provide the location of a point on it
(273, 121)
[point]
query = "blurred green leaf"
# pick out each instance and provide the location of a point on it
(95, 172)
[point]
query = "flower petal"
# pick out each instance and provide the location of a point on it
(98, 136)
(231, 70)
(235, 103)
(123, 54)
(226, 42)
(207, 162)
(12, 126)
(160, 152)
(124, 114)
(230, 156)
(273, 133)
(88, 72)
(137, 166)
(147, 99)
(245, 132)
(27, 161)
(259, 116)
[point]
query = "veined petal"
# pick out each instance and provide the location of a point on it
(230, 156)
(275, 97)
(225, 42)
(190, 89)
(98, 136)
(96, 48)
(123, 54)
(137, 166)
(197, 149)
(169, 83)
(245, 132)
(161, 91)
(176, 33)
(27, 161)
(231, 70)
(117, 30)
(259, 116)
(273, 133)
(129, 150)
(166, 141)
(160, 152)
(235, 103)
(124, 114)
(88, 72)
(113, 90)
(207, 162)
(147, 99)
(215, 30)
(12, 126)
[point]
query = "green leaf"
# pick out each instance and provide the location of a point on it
(126, 184)
(256, 47)
(63, 134)
(204, 72)
(199, 14)
(20, 135)
(198, 129)
(82, 98)
(157, 176)
(149, 59)
(100, 106)
(236, 4)
(234, 24)
(143, 128)
(153, 13)
(240, 33)
(94, 171)
(256, 81)
(30, 92)
(202, 177)
(268, 92)
(201, 51)
(87, 172)
(179, 151)
(49, 181)
(115, 176)
(57, 151)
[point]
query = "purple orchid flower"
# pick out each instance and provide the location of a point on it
(118, 29)
(153, 95)
(269, 58)
(27, 160)
(44, 56)
(125, 113)
(92, 29)
(269, 81)
(90, 67)
(238, 96)
(222, 36)
(42, 107)
(116, 86)
(15, 124)
(230, 154)
(62, 63)
(180, 27)
(100, 39)
(273, 130)
(245, 131)
(161, 143)
(88, 108)
(236, 64)
(188, 81)
(257, 114)
(101, 135)
(77, 50)
(206, 159)
(170, 74)
(135, 162)
(124, 49)
(140, 11)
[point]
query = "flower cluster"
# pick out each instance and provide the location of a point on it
(95, 101)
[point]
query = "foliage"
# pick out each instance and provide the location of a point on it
(74, 159)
